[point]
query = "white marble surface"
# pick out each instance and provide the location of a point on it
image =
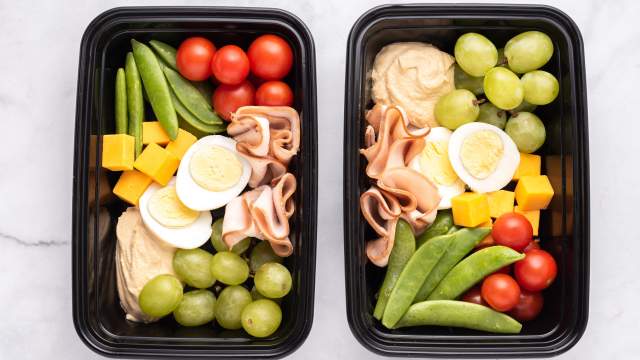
(38, 62)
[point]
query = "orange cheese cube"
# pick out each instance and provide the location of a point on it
(533, 192)
(117, 152)
(181, 144)
(533, 216)
(470, 209)
(153, 133)
(487, 224)
(157, 163)
(500, 202)
(131, 186)
(529, 165)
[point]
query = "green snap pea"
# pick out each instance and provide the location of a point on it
(412, 277)
(471, 270)
(135, 103)
(191, 98)
(464, 241)
(122, 120)
(157, 88)
(442, 223)
(190, 123)
(205, 88)
(459, 314)
(165, 52)
(453, 229)
(403, 248)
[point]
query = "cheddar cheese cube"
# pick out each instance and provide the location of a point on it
(529, 166)
(487, 224)
(158, 163)
(533, 192)
(118, 152)
(470, 209)
(153, 133)
(533, 216)
(131, 185)
(181, 144)
(500, 202)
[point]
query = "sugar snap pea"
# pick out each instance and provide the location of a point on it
(165, 52)
(412, 276)
(192, 123)
(459, 314)
(442, 223)
(191, 98)
(122, 120)
(135, 103)
(403, 247)
(453, 229)
(464, 241)
(157, 88)
(471, 270)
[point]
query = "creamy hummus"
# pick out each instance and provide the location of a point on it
(139, 258)
(412, 75)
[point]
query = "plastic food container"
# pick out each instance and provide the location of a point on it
(97, 315)
(564, 227)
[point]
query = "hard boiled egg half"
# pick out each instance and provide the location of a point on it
(211, 173)
(483, 156)
(170, 220)
(433, 162)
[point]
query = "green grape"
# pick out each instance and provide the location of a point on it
(463, 80)
(456, 109)
(540, 87)
(193, 266)
(273, 280)
(475, 54)
(527, 131)
(261, 318)
(160, 295)
(255, 295)
(503, 88)
(196, 308)
(490, 114)
(524, 106)
(262, 253)
(231, 301)
(229, 268)
(528, 51)
(216, 240)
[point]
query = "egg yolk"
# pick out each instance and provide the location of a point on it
(481, 152)
(167, 209)
(215, 168)
(435, 163)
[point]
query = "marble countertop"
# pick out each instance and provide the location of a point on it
(40, 42)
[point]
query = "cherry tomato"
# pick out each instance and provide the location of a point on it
(513, 230)
(528, 307)
(474, 295)
(535, 244)
(228, 98)
(194, 58)
(274, 93)
(536, 271)
(271, 57)
(230, 65)
(500, 291)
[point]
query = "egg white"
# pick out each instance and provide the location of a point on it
(188, 237)
(505, 169)
(446, 192)
(195, 196)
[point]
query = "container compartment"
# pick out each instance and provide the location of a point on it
(564, 227)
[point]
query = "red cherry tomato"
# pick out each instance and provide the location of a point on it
(473, 295)
(536, 271)
(535, 244)
(228, 98)
(230, 65)
(274, 93)
(500, 291)
(528, 307)
(513, 230)
(194, 58)
(271, 57)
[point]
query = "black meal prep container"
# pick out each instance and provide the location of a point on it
(564, 228)
(97, 315)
